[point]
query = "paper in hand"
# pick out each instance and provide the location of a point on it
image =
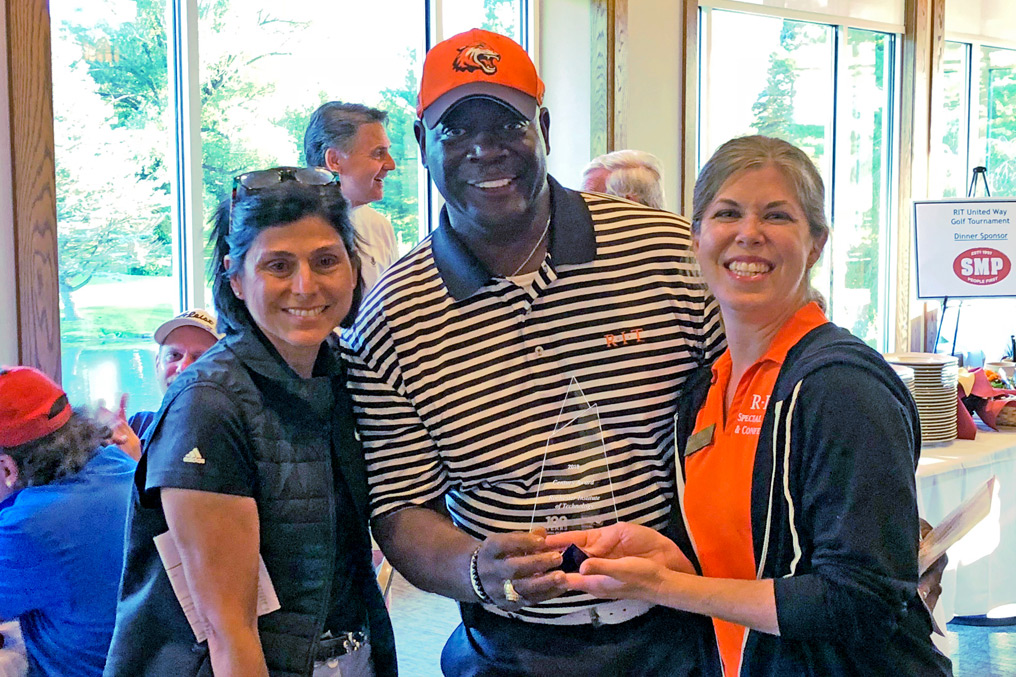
(955, 526)
(267, 602)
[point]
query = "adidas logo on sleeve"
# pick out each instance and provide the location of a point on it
(194, 456)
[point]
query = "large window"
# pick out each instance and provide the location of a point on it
(502, 16)
(974, 124)
(950, 124)
(974, 120)
(113, 194)
(827, 89)
(266, 66)
(996, 118)
(130, 245)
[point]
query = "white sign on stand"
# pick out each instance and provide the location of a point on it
(965, 247)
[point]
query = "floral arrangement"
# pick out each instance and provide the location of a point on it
(988, 394)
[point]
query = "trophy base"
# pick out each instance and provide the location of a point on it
(572, 559)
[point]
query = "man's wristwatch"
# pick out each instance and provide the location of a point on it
(474, 579)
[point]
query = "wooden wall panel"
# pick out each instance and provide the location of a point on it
(608, 89)
(923, 42)
(601, 74)
(619, 51)
(34, 179)
(689, 104)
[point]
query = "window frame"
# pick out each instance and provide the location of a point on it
(187, 211)
(183, 61)
(800, 15)
(32, 179)
(26, 30)
(888, 302)
(974, 46)
(34, 337)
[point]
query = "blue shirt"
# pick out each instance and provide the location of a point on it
(61, 553)
(140, 422)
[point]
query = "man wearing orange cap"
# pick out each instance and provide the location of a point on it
(519, 372)
(63, 507)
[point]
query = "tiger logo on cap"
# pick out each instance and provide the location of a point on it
(477, 57)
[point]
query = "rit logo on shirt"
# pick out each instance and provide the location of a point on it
(624, 338)
(750, 422)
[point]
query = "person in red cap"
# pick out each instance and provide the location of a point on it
(518, 373)
(63, 507)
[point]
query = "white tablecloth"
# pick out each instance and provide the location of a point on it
(982, 567)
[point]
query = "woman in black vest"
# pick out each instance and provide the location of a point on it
(253, 453)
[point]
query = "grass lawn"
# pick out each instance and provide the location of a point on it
(99, 325)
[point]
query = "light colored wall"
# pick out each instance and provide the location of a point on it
(565, 65)
(8, 295)
(653, 108)
(654, 76)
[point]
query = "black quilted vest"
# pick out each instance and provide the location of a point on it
(287, 421)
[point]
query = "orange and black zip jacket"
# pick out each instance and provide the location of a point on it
(834, 515)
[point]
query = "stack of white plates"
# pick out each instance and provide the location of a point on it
(906, 375)
(934, 390)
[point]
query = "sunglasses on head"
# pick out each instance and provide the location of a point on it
(266, 178)
(269, 178)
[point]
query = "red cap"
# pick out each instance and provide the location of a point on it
(31, 406)
(478, 63)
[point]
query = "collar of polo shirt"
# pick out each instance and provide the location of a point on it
(572, 241)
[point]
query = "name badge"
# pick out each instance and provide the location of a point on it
(700, 440)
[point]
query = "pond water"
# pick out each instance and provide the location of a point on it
(92, 373)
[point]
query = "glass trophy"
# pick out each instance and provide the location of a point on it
(574, 488)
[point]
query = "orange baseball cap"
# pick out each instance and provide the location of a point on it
(31, 406)
(478, 63)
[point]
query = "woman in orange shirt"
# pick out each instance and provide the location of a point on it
(795, 456)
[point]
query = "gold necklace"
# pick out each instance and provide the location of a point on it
(546, 228)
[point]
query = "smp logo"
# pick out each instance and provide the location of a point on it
(982, 266)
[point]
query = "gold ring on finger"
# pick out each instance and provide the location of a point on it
(510, 593)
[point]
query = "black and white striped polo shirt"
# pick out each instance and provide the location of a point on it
(544, 406)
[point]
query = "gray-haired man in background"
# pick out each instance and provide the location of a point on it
(350, 139)
(632, 174)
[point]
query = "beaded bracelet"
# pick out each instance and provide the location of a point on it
(474, 579)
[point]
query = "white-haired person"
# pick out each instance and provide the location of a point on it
(796, 521)
(632, 174)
